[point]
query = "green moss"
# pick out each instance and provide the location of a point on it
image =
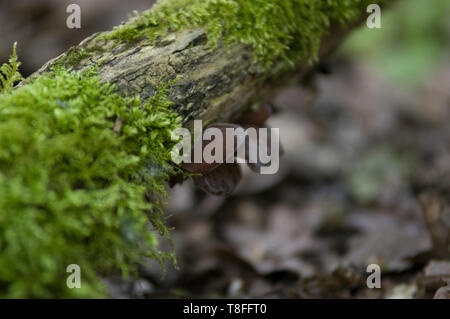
(72, 189)
(289, 29)
(73, 56)
(9, 72)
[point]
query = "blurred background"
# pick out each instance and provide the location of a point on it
(365, 177)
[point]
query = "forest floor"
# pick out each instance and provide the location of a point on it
(358, 156)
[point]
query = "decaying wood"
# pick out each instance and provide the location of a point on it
(212, 85)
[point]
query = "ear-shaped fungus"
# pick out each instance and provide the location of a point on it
(222, 178)
(221, 181)
(217, 178)
(257, 119)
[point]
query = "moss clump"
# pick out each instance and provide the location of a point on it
(73, 56)
(9, 72)
(73, 188)
(289, 29)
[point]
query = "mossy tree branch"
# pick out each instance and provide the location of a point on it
(82, 152)
(215, 81)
